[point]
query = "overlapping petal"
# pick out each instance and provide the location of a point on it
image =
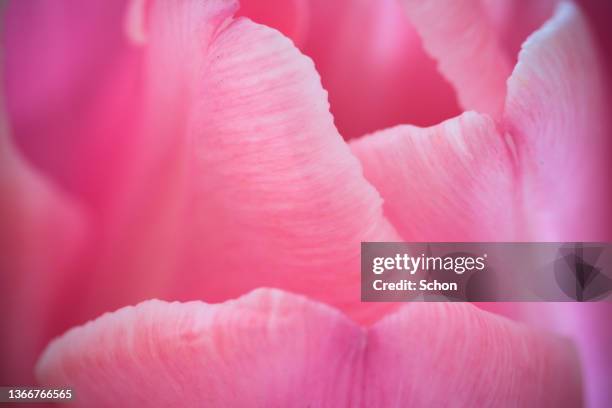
(237, 177)
(451, 182)
(556, 113)
(440, 354)
(514, 21)
(466, 45)
(280, 199)
(551, 143)
(270, 348)
(265, 349)
(370, 59)
(556, 132)
(247, 123)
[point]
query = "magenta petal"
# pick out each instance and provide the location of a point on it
(556, 115)
(75, 116)
(290, 17)
(372, 62)
(266, 349)
(41, 230)
(453, 181)
(135, 174)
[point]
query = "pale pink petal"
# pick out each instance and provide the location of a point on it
(556, 115)
(450, 182)
(280, 199)
(270, 348)
(266, 349)
(459, 35)
(452, 354)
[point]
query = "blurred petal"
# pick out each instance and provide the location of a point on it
(555, 113)
(371, 62)
(77, 114)
(266, 349)
(290, 17)
(40, 230)
(460, 37)
(589, 325)
(241, 179)
(450, 182)
(120, 168)
(515, 20)
(452, 354)
(273, 349)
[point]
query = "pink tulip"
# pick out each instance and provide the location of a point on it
(169, 149)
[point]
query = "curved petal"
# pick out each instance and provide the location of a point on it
(245, 181)
(283, 196)
(514, 21)
(80, 122)
(459, 35)
(266, 349)
(473, 359)
(280, 199)
(370, 60)
(450, 182)
(273, 349)
(290, 17)
(556, 115)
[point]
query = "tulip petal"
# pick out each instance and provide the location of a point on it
(459, 35)
(556, 114)
(290, 17)
(452, 354)
(292, 215)
(40, 233)
(78, 121)
(450, 182)
(266, 349)
(270, 348)
(587, 324)
(514, 21)
(374, 67)
(245, 181)
(75, 116)
(280, 199)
